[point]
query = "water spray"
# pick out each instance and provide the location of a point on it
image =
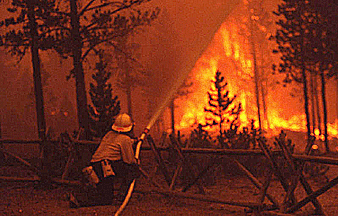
(169, 97)
(152, 121)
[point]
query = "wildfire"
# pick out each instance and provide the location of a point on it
(230, 53)
(224, 48)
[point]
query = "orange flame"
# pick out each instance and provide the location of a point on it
(224, 47)
(230, 53)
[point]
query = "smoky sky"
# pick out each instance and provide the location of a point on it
(170, 47)
(173, 44)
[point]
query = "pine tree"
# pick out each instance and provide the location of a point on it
(29, 29)
(292, 44)
(221, 105)
(91, 24)
(305, 43)
(105, 106)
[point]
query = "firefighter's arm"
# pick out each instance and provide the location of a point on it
(127, 153)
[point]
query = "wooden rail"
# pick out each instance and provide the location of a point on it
(225, 152)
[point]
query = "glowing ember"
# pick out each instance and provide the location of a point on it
(317, 132)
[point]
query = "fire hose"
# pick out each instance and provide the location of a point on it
(146, 131)
(179, 81)
(131, 187)
(152, 121)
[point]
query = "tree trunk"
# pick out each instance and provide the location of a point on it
(36, 72)
(313, 102)
(319, 119)
(0, 130)
(326, 141)
(305, 92)
(126, 82)
(256, 76)
(44, 172)
(265, 108)
(172, 112)
(306, 108)
(2, 155)
(263, 82)
(81, 95)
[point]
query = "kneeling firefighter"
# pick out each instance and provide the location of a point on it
(113, 160)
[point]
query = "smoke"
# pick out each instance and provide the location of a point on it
(174, 42)
(169, 49)
(18, 115)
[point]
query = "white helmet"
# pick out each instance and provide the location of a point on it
(123, 123)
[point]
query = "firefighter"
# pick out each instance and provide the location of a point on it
(113, 160)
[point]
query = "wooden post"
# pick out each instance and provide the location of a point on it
(176, 174)
(201, 174)
(66, 138)
(255, 182)
(159, 160)
(265, 187)
(146, 175)
(275, 167)
(24, 162)
(163, 138)
(288, 156)
(313, 195)
(186, 162)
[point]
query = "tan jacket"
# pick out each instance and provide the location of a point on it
(115, 146)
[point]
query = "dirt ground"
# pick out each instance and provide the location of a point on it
(27, 199)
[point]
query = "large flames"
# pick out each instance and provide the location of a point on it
(230, 53)
(227, 53)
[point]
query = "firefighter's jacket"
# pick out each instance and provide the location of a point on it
(114, 147)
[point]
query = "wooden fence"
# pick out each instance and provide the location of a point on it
(294, 162)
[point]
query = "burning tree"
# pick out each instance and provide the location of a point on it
(105, 106)
(223, 110)
(257, 24)
(184, 90)
(221, 105)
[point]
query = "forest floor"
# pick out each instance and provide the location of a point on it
(25, 198)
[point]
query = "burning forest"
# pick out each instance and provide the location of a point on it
(241, 48)
(244, 56)
(195, 86)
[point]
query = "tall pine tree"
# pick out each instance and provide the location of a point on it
(29, 28)
(221, 105)
(91, 24)
(305, 42)
(105, 106)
